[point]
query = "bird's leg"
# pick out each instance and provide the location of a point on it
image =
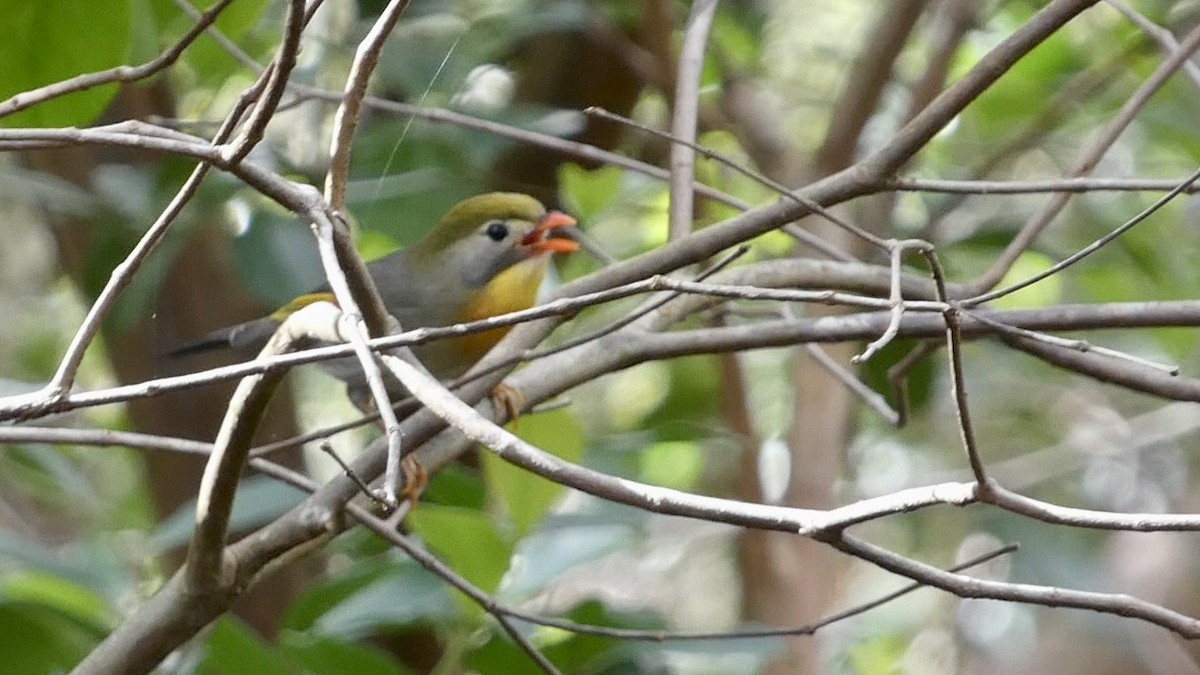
(510, 400)
(416, 479)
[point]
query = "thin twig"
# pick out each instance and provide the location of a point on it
(345, 120)
(276, 83)
(896, 305)
(783, 191)
(440, 115)
(868, 396)
(122, 275)
(356, 333)
(961, 409)
(857, 387)
(747, 633)
(352, 475)
(1090, 248)
(477, 595)
(1087, 518)
(1082, 346)
(897, 377)
(1088, 160)
(1024, 187)
(510, 448)
(119, 279)
(222, 40)
(208, 570)
(934, 117)
(1103, 369)
(1161, 36)
(683, 121)
(954, 355)
(851, 328)
(1049, 596)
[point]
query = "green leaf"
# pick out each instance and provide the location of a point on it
(562, 543)
(407, 596)
(259, 500)
(586, 193)
(500, 655)
(672, 464)
(206, 59)
(232, 648)
(1032, 80)
(919, 381)
(88, 564)
(606, 655)
(457, 485)
(36, 639)
(525, 496)
(326, 656)
(318, 599)
(881, 655)
(467, 541)
(52, 40)
(67, 598)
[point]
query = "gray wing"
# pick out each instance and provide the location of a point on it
(245, 338)
(403, 299)
(413, 304)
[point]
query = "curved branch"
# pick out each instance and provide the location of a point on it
(683, 122)
(971, 587)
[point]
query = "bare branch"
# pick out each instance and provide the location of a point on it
(1099, 520)
(872, 72)
(276, 83)
(896, 304)
(870, 398)
(1017, 187)
(683, 122)
(778, 187)
(909, 140)
(1161, 36)
(356, 333)
(1090, 157)
(207, 569)
(1049, 596)
(346, 119)
(657, 499)
(1095, 245)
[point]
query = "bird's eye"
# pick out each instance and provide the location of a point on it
(497, 230)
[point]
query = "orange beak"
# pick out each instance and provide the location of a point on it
(538, 241)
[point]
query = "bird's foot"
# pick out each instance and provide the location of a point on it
(510, 400)
(416, 479)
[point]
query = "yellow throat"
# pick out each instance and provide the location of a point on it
(512, 290)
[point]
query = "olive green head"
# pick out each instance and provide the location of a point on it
(484, 235)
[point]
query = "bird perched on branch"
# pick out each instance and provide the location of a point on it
(487, 256)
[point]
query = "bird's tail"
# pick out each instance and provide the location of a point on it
(217, 339)
(245, 338)
(248, 338)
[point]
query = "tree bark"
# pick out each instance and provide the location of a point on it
(199, 292)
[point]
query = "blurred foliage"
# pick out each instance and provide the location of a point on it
(50, 41)
(79, 544)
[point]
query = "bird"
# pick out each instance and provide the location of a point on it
(486, 256)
